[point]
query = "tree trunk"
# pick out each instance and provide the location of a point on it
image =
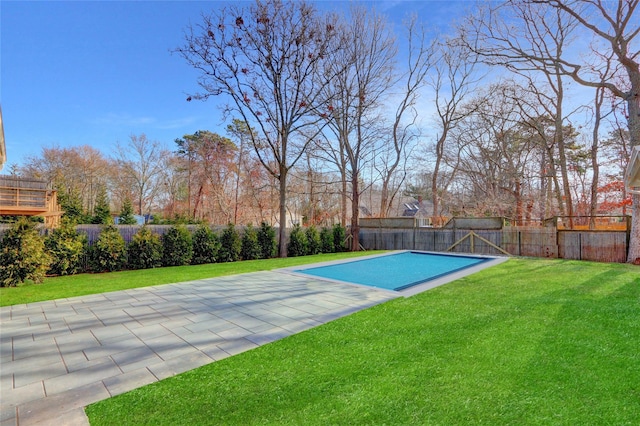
(237, 191)
(197, 204)
(343, 199)
(545, 185)
(562, 154)
(312, 201)
(387, 196)
(554, 185)
(384, 197)
(593, 207)
(434, 189)
(355, 213)
(282, 242)
(519, 203)
(436, 172)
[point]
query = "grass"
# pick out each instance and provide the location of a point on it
(526, 342)
(84, 284)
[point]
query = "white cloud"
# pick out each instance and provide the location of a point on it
(124, 120)
(177, 123)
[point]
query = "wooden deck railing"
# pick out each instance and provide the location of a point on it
(24, 197)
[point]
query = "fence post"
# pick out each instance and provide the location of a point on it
(415, 236)
(579, 245)
(472, 242)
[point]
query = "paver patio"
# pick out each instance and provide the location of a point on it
(58, 356)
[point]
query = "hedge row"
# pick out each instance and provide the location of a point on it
(27, 255)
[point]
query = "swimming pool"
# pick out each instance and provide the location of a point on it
(396, 271)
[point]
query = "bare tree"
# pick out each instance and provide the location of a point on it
(529, 39)
(173, 184)
(240, 132)
(267, 61)
(364, 73)
(452, 81)
(599, 99)
(419, 61)
(210, 162)
(536, 105)
(499, 156)
(81, 170)
(328, 147)
(616, 24)
(139, 168)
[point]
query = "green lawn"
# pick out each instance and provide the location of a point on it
(83, 284)
(530, 341)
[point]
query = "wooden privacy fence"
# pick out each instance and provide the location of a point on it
(128, 231)
(599, 246)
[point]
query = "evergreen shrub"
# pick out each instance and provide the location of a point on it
(145, 250)
(267, 241)
(339, 237)
(250, 248)
(66, 248)
(230, 245)
(326, 241)
(109, 252)
(22, 254)
(297, 242)
(205, 246)
(177, 247)
(314, 244)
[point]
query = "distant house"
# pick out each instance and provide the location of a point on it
(141, 220)
(417, 208)
(420, 210)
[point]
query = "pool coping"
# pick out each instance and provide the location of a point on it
(492, 260)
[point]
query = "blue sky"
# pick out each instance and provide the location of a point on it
(95, 72)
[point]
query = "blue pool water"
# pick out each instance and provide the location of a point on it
(396, 271)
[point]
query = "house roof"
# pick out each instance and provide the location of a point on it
(632, 177)
(417, 208)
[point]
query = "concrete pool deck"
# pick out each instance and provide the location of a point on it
(56, 357)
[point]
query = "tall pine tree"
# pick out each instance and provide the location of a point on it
(71, 203)
(126, 215)
(102, 211)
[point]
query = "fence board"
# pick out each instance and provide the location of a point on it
(604, 246)
(569, 245)
(425, 240)
(534, 242)
(444, 239)
(598, 246)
